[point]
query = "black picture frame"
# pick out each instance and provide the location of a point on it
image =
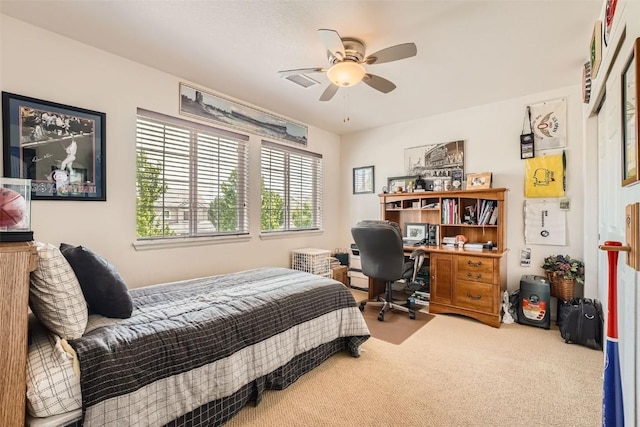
(527, 150)
(363, 180)
(59, 147)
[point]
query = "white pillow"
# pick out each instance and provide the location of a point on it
(55, 296)
(52, 385)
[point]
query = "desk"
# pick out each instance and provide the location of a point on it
(470, 283)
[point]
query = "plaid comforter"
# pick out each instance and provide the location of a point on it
(195, 352)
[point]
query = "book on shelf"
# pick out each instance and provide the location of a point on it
(450, 213)
(494, 217)
(485, 212)
(449, 240)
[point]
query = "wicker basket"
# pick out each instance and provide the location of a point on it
(561, 288)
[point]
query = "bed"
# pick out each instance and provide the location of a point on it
(194, 352)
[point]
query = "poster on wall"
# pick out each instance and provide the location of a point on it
(544, 223)
(198, 103)
(436, 160)
(549, 123)
(60, 148)
(544, 176)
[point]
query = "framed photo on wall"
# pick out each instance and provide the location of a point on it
(363, 180)
(59, 147)
(204, 105)
(630, 121)
(436, 160)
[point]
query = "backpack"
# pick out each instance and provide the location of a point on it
(581, 322)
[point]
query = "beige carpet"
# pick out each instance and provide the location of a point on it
(453, 372)
(396, 327)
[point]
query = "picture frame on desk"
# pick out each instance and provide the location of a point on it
(399, 184)
(415, 230)
(630, 121)
(479, 181)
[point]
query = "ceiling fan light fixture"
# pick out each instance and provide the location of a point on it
(346, 73)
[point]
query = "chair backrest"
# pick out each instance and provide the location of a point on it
(380, 246)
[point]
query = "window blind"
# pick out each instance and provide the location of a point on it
(291, 185)
(191, 179)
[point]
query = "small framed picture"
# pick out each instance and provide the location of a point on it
(479, 181)
(363, 180)
(400, 184)
(60, 148)
(526, 146)
(415, 230)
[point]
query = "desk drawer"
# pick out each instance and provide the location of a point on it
(475, 269)
(476, 296)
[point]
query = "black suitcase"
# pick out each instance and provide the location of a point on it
(580, 321)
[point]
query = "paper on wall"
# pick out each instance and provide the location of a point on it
(544, 223)
(549, 124)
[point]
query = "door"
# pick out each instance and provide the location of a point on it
(613, 199)
(441, 287)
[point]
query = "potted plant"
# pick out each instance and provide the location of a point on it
(563, 273)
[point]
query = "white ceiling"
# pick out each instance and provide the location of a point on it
(470, 52)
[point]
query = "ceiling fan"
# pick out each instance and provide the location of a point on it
(347, 59)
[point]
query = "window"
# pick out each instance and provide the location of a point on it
(198, 172)
(291, 189)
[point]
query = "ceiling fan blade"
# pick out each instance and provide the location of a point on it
(379, 83)
(329, 92)
(393, 53)
(286, 73)
(332, 41)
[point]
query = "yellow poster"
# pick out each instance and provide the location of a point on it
(544, 176)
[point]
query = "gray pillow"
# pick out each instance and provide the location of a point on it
(104, 289)
(55, 296)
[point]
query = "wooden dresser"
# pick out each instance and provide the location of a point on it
(16, 261)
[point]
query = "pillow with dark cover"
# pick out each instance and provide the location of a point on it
(104, 289)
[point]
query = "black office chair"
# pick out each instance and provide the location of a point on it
(382, 258)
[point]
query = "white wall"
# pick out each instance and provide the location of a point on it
(44, 65)
(491, 134)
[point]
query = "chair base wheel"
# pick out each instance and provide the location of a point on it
(381, 317)
(362, 304)
(412, 315)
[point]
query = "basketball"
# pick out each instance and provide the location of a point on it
(13, 207)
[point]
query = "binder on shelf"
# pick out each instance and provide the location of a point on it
(433, 234)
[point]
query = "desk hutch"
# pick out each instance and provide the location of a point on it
(466, 282)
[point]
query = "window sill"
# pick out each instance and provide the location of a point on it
(288, 234)
(149, 245)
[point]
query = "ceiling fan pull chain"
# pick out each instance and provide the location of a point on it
(346, 106)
